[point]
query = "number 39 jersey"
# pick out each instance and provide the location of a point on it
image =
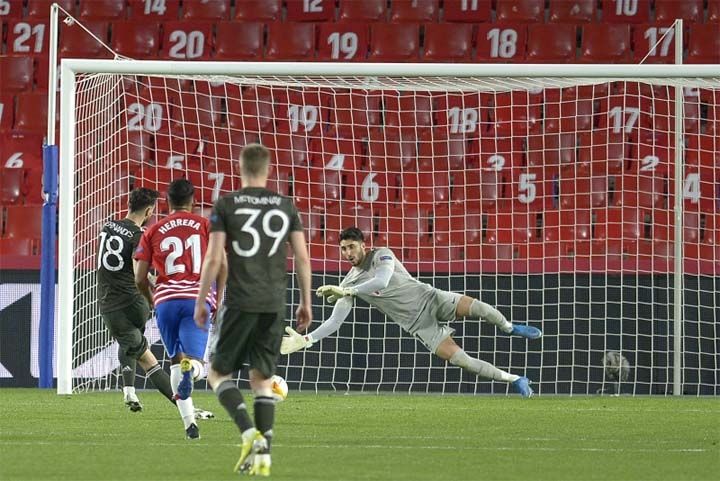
(257, 223)
(115, 275)
(175, 246)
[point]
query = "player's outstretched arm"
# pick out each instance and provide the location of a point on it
(295, 341)
(380, 281)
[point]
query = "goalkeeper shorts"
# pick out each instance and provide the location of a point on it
(430, 327)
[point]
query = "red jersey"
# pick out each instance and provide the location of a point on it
(175, 246)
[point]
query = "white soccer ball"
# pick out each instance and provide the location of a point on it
(617, 367)
(279, 388)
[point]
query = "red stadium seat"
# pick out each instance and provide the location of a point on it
(391, 153)
(700, 150)
(501, 154)
(21, 151)
(479, 11)
(551, 43)
(290, 41)
(312, 224)
(305, 111)
(520, 11)
(13, 10)
(581, 192)
(479, 189)
(425, 188)
(288, 149)
(647, 191)
(566, 113)
(652, 159)
(365, 11)
(663, 225)
(374, 188)
(531, 189)
(310, 11)
(31, 112)
(16, 73)
(223, 149)
(512, 227)
(102, 10)
(239, 41)
(566, 225)
(18, 247)
(12, 185)
(212, 10)
(442, 153)
(394, 42)
(76, 42)
(414, 11)
(195, 113)
(355, 113)
(343, 41)
(461, 113)
(713, 11)
(552, 151)
(279, 181)
(144, 10)
(317, 187)
(404, 226)
(336, 154)
(500, 42)
(136, 147)
(186, 40)
(28, 37)
(604, 152)
(178, 152)
(41, 8)
(624, 114)
(408, 113)
(605, 43)
(572, 11)
(158, 178)
(258, 10)
(515, 113)
(7, 111)
(667, 11)
(711, 231)
(23, 222)
(704, 43)
(654, 43)
(136, 39)
(615, 223)
(448, 42)
(622, 11)
(700, 189)
(250, 109)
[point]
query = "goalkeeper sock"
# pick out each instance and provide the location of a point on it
(264, 409)
(232, 400)
(160, 379)
(489, 313)
(481, 368)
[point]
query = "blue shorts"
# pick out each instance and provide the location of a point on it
(178, 330)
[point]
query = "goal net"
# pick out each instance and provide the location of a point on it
(579, 199)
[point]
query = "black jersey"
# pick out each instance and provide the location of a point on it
(115, 274)
(257, 223)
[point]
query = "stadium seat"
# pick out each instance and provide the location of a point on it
(449, 226)
(700, 188)
(31, 112)
(28, 37)
(565, 113)
(667, 11)
(108, 10)
(581, 192)
(619, 223)
(12, 185)
(663, 225)
(520, 11)
(650, 158)
(343, 41)
(391, 153)
(394, 42)
(624, 114)
(654, 43)
(312, 224)
(442, 153)
(40, 9)
(460, 113)
(355, 113)
(290, 41)
(136, 147)
(317, 187)
(704, 43)
(23, 222)
(136, 39)
(77, 43)
(143, 10)
(447, 42)
(250, 110)
(700, 150)
(258, 10)
(158, 178)
(515, 113)
(404, 226)
(500, 42)
(407, 113)
(288, 149)
(479, 189)
(239, 41)
(18, 247)
(647, 191)
(552, 151)
(187, 40)
(713, 11)
(195, 113)
(214, 10)
(16, 73)
(336, 154)
(572, 11)
(711, 230)
(374, 188)
(621, 11)
(13, 10)
(21, 151)
(531, 189)
(310, 11)
(512, 227)
(278, 181)
(414, 11)
(425, 189)
(479, 11)
(365, 11)
(176, 151)
(501, 154)
(7, 112)
(305, 111)
(566, 225)
(551, 43)
(223, 147)
(604, 152)
(605, 43)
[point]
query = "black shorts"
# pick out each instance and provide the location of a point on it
(251, 338)
(127, 327)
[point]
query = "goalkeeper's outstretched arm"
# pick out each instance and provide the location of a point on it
(295, 341)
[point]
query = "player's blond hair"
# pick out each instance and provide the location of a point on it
(254, 160)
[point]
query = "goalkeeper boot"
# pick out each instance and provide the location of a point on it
(259, 465)
(246, 450)
(133, 403)
(184, 389)
(528, 332)
(202, 414)
(522, 384)
(192, 432)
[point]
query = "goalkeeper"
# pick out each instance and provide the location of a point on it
(379, 279)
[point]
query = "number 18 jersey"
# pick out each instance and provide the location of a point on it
(115, 275)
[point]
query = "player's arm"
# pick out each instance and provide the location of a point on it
(222, 279)
(303, 314)
(212, 265)
(295, 341)
(383, 274)
(142, 279)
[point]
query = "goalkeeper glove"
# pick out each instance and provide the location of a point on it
(294, 341)
(333, 293)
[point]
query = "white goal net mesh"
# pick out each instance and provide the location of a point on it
(551, 199)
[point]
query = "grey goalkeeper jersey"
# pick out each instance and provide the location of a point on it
(403, 299)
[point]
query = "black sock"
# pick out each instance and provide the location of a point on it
(232, 400)
(161, 381)
(265, 416)
(128, 366)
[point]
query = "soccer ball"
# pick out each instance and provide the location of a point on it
(279, 388)
(617, 367)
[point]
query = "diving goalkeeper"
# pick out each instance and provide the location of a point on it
(379, 279)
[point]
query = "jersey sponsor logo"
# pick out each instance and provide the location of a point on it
(385, 258)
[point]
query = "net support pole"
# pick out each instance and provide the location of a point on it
(46, 337)
(678, 211)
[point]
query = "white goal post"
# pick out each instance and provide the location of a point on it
(546, 190)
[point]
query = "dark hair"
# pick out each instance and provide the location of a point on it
(254, 160)
(352, 233)
(142, 198)
(180, 192)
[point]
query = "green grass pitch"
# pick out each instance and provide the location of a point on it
(44, 436)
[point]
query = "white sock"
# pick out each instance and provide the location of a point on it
(175, 377)
(481, 368)
(489, 313)
(187, 411)
(129, 390)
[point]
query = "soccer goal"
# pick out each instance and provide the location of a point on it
(582, 199)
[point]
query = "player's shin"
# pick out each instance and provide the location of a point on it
(480, 368)
(264, 409)
(232, 400)
(160, 379)
(481, 310)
